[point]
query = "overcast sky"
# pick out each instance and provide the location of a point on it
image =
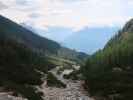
(73, 14)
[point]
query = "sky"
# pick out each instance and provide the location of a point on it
(74, 14)
(67, 16)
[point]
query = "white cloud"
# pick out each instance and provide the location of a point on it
(74, 14)
(2, 6)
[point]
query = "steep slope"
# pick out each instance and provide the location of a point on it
(19, 69)
(22, 35)
(62, 52)
(37, 43)
(108, 72)
(20, 60)
(25, 58)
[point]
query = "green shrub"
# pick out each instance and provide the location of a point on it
(26, 91)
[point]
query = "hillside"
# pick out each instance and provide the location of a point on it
(26, 58)
(39, 44)
(108, 72)
(19, 69)
(22, 35)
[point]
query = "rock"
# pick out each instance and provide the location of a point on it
(74, 91)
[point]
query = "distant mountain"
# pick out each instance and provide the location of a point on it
(79, 39)
(61, 51)
(41, 45)
(109, 71)
(58, 34)
(90, 39)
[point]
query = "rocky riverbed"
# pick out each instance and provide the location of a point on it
(8, 96)
(73, 91)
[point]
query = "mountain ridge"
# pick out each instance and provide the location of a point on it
(24, 35)
(37, 43)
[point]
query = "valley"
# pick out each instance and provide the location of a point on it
(36, 68)
(36, 60)
(73, 89)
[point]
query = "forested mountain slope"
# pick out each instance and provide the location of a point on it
(19, 68)
(22, 35)
(108, 72)
(39, 44)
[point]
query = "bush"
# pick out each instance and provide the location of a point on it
(26, 91)
(73, 75)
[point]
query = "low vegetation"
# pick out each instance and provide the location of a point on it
(108, 73)
(25, 58)
(73, 75)
(17, 70)
(52, 81)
